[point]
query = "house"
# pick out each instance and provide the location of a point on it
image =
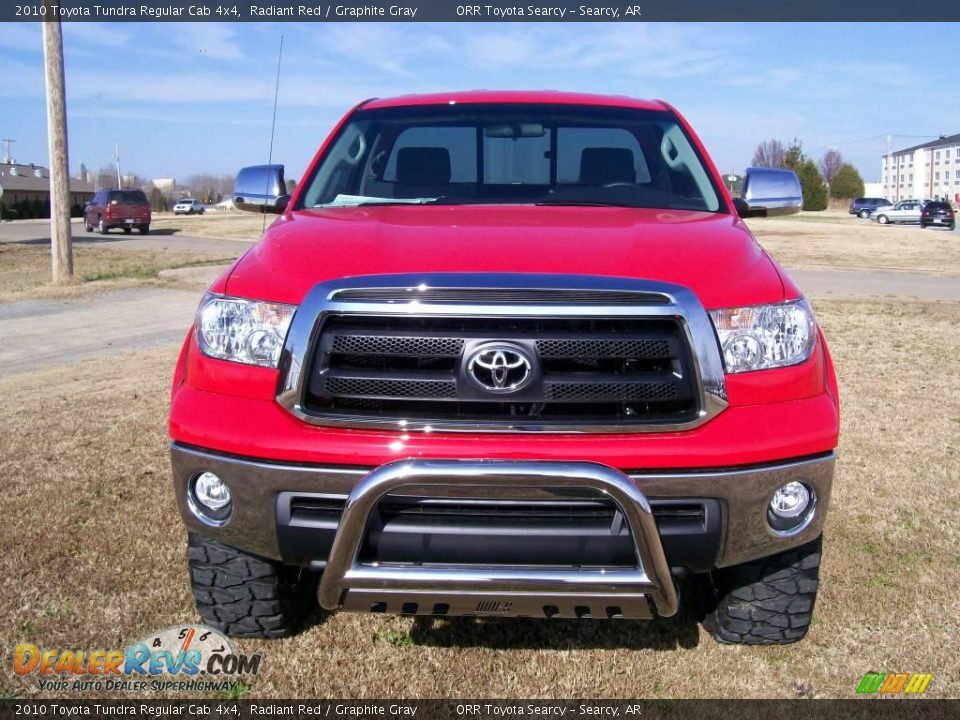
(26, 191)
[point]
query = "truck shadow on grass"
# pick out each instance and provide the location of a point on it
(679, 632)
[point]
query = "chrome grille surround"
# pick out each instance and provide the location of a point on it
(674, 303)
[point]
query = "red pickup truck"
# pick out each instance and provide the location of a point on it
(507, 354)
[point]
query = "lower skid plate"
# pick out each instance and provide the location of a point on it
(499, 604)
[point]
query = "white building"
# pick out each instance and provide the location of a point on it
(930, 170)
(164, 185)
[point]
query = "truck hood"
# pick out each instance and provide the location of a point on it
(713, 254)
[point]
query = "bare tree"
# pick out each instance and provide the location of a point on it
(830, 164)
(209, 188)
(770, 154)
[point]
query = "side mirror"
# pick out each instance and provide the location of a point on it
(261, 189)
(769, 191)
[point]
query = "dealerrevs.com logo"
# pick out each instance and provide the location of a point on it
(189, 658)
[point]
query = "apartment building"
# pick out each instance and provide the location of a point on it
(929, 170)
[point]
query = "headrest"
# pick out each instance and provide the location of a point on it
(423, 166)
(604, 165)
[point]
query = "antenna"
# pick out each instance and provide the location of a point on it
(273, 128)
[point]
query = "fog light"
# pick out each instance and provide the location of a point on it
(791, 508)
(209, 499)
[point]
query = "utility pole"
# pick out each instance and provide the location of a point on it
(116, 154)
(61, 242)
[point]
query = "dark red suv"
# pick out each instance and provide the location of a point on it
(127, 209)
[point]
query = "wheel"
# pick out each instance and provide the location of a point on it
(127, 230)
(768, 601)
(883, 219)
(863, 214)
(244, 595)
(144, 229)
(101, 228)
(87, 226)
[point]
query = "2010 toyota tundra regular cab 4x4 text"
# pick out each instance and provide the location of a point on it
(506, 354)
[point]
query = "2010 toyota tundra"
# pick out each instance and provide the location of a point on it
(506, 354)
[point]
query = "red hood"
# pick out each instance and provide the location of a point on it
(712, 254)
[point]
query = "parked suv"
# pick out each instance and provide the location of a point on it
(188, 206)
(937, 213)
(905, 211)
(506, 354)
(862, 207)
(127, 209)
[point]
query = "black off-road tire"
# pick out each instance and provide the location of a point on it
(768, 601)
(243, 595)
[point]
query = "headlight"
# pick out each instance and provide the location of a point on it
(244, 331)
(765, 336)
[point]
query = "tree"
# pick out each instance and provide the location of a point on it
(830, 164)
(158, 201)
(291, 186)
(794, 156)
(812, 185)
(847, 183)
(769, 154)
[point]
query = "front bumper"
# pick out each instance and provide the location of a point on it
(735, 527)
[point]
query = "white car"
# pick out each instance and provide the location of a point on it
(188, 206)
(905, 211)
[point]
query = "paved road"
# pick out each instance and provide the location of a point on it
(43, 333)
(836, 284)
(159, 239)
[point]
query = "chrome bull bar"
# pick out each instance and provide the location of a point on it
(496, 589)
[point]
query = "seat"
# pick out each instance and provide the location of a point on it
(422, 171)
(605, 165)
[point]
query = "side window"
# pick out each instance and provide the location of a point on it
(571, 142)
(459, 142)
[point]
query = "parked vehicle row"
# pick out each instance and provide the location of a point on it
(925, 212)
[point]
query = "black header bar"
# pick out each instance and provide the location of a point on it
(482, 11)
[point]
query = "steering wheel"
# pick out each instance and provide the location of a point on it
(619, 184)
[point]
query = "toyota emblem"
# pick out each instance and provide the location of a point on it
(499, 368)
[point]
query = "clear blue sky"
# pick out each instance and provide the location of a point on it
(183, 98)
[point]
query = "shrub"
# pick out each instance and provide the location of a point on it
(847, 183)
(814, 189)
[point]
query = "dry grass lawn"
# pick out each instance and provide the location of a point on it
(25, 269)
(93, 549)
(230, 224)
(834, 240)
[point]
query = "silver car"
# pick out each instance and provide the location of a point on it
(189, 206)
(905, 211)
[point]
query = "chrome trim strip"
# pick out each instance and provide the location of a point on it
(321, 301)
(506, 478)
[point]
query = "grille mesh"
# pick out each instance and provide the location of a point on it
(368, 387)
(644, 391)
(396, 345)
(603, 348)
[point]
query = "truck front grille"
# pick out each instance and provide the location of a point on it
(586, 370)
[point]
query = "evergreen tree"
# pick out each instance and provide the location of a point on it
(811, 182)
(847, 183)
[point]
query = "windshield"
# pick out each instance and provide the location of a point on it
(513, 154)
(127, 197)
